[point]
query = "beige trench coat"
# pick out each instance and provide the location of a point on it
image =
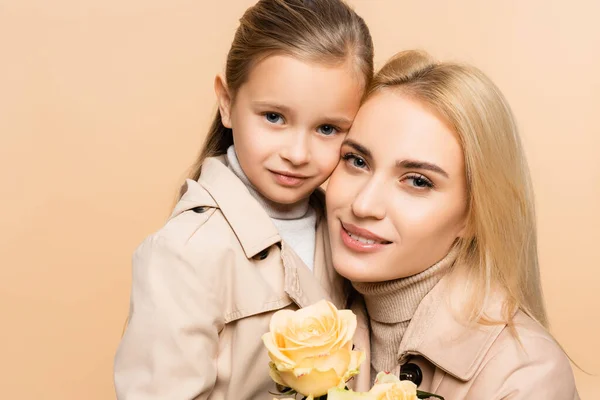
(462, 362)
(204, 289)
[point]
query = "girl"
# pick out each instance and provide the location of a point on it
(248, 237)
(431, 216)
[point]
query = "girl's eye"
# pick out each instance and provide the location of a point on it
(328, 130)
(355, 160)
(274, 118)
(419, 182)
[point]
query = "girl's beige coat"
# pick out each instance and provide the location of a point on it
(204, 289)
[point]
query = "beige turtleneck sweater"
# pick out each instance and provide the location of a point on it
(391, 305)
(296, 224)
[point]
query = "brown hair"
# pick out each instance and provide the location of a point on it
(499, 249)
(323, 31)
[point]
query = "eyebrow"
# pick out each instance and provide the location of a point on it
(339, 121)
(407, 164)
(358, 147)
(414, 164)
(274, 106)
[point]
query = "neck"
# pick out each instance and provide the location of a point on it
(391, 306)
(397, 300)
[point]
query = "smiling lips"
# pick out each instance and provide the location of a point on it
(361, 240)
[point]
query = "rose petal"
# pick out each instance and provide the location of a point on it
(351, 322)
(386, 377)
(274, 353)
(398, 390)
(343, 394)
(314, 383)
(338, 361)
(274, 374)
(357, 357)
(280, 320)
(381, 388)
(318, 310)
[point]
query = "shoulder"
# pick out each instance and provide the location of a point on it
(528, 341)
(196, 230)
(527, 359)
(187, 249)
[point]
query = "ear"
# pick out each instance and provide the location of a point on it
(224, 100)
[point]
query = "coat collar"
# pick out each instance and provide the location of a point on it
(300, 282)
(437, 334)
(219, 187)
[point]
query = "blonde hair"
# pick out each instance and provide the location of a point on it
(323, 31)
(499, 249)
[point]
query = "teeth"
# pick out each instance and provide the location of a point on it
(361, 239)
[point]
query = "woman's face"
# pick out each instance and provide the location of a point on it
(397, 200)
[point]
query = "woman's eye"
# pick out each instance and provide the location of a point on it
(354, 160)
(327, 130)
(419, 181)
(274, 118)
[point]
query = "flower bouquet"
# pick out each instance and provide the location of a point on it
(312, 355)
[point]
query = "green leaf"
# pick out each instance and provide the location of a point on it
(425, 395)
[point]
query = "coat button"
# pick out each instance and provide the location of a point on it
(262, 255)
(411, 372)
(199, 210)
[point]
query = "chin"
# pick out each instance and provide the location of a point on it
(363, 268)
(290, 200)
(352, 270)
(276, 196)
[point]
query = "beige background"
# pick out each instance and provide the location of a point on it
(104, 104)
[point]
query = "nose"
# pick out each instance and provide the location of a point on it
(297, 149)
(370, 201)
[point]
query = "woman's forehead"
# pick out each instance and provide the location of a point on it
(395, 127)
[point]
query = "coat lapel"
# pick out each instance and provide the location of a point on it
(219, 187)
(362, 342)
(307, 287)
(437, 334)
(251, 224)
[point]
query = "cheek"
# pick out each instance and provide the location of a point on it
(340, 189)
(252, 153)
(452, 216)
(426, 219)
(239, 126)
(248, 126)
(248, 149)
(326, 154)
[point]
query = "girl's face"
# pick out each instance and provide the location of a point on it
(397, 200)
(289, 120)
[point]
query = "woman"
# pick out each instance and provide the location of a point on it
(431, 216)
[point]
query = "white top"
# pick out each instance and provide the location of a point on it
(297, 225)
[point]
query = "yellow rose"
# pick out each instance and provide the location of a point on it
(311, 348)
(390, 387)
(387, 387)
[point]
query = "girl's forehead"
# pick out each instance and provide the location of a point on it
(295, 84)
(283, 70)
